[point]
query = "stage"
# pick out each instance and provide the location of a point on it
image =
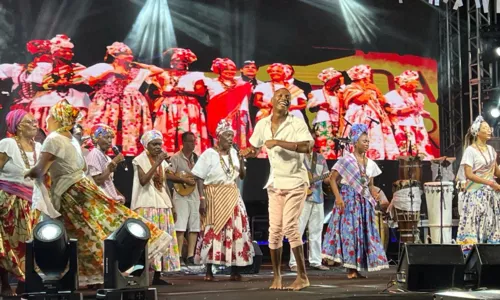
(331, 284)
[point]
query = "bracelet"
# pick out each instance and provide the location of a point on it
(202, 198)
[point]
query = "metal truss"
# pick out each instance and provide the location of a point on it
(450, 81)
(481, 75)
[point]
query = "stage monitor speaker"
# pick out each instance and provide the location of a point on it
(482, 267)
(254, 268)
(431, 267)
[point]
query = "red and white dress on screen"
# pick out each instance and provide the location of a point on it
(363, 103)
(326, 121)
(118, 100)
(179, 111)
(407, 109)
(26, 78)
(228, 99)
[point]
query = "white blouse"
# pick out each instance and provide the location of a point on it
(209, 167)
(14, 168)
(372, 169)
(148, 196)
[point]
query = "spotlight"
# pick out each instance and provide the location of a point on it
(495, 112)
(126, 264)
(497, 51)
(57, 259)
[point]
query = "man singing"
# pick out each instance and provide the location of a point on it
(286, 138)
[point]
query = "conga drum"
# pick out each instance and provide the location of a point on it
(383, 228)
(410, 168)
(406, 212)
(433, 200)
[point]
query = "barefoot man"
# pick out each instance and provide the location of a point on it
(286, 139)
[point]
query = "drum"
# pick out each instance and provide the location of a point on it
(410, 168)
(433, 200)
(406, 202)
(383, 228)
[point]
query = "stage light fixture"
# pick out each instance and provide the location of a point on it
(495, 112)
(126, 265)
(497, 51)
(56, 257)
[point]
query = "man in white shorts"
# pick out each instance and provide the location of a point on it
(186, 207)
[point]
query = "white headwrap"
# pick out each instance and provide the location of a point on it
(148, 136)
(474, 129)
(223, 126)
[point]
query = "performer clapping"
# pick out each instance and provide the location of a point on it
(225, 237)
(352, 238)
(286, 138)
(480, 216)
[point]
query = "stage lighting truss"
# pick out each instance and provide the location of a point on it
(126, 263)
(56, 257)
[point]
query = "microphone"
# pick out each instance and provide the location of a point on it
(374, 121)
(238, 151)
(116, 151)
(348, 123)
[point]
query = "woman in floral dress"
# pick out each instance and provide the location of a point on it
(17, 154)
(118, 102)
(178, 108)
(406, 112)
(88, 214)
(352, 238)
(364, 104)
(326, 104)
(151, 200)
(225, 237)
(62, 82)
(228, 99)
(480, 197)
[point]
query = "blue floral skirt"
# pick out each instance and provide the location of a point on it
(352, 237)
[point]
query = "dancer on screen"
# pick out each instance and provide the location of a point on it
(178, 109)
(286, 138)
(228, 99)
(18, 153)
(326, 104)
(406, 111)
(118, 102)
(352, 238)
(480, 197)
(364, 104)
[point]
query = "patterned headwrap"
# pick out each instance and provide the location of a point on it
(60, 41)
(99, 130)
(38, 46)
(221, 64)
(180, 54)
(275, 65)
(223, 126)
(148, 136)
(117, 48)
(13, 119)
(328, 74)
(474, 128)
(289, 71)
(65, 114)
(406, 77)
(357, 130)
(359, 72)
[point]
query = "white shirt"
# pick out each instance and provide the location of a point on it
(67, 169)
(472, 157)
(148, 195)
(318, 98)
(14, 168)
(372, 169)
(401, 100)
(209, 167)
(287, 167)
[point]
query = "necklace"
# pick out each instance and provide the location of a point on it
(481, 150)
(23, 153)
(229, 170)
(362, 170)
(226, 86)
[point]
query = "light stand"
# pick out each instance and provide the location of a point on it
(57, 259)
(125, 251)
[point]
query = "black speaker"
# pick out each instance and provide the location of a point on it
(482, 267)
(254, 268)
(431, 267)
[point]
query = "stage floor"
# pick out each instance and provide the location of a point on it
(324, 285)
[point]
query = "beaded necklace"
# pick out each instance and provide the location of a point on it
(23, 153)
(228, 170)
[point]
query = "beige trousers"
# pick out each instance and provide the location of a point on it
(285, 208)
